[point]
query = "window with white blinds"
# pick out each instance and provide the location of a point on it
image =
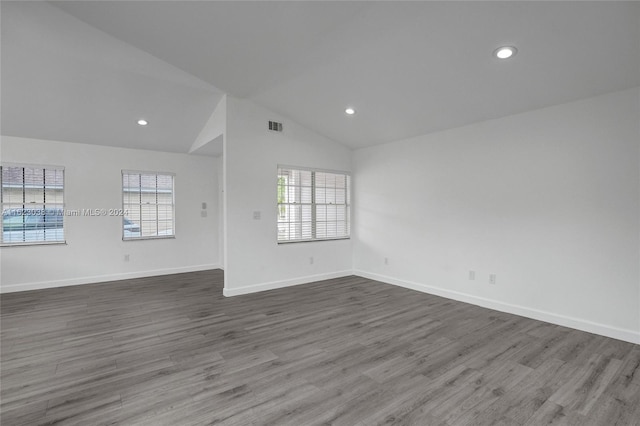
(32, 201)
(313, 205)
(148, 203)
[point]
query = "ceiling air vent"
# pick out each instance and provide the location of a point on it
(275, 126)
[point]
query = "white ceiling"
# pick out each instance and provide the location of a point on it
(408, 68)
(65, 80)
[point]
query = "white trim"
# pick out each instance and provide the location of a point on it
(32, 166)
(558, 319)
(142, 172)
(314, 240)
(563, 320)
(36, 243)
(228, 292)
(104, 278)
(313, 169)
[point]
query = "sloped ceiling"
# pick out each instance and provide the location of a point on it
(65, 80)
(408, 68)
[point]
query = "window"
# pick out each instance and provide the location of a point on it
(32, 204)
(312, 205)
(148, 204)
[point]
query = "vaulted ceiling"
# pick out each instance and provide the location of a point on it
(84, 71)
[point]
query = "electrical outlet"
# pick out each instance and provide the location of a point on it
(126, 257)
(386, 260)
(257, 215)
(311, 260)
(492, 278)
(472, 275)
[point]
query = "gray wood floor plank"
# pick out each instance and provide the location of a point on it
(172, 350)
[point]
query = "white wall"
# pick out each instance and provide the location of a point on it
(253, 259)
(213, 130)
(548, 200)
(95, 251)
(219, 163)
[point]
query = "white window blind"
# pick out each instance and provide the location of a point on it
(148, 203)
(32, 204)
(313, 205)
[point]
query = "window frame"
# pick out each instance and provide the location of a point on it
(314, 204)
(63, 241)
(173, 205)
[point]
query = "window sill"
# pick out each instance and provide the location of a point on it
(163, 237)
(314, 241)
(41, 243)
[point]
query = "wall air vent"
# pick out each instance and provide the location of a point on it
(275, 126)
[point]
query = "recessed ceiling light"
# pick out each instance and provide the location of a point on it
(143, 122)
(350, 111)
(505, 52)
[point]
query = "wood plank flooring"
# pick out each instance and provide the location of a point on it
(172, 350)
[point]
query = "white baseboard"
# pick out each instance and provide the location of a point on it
(102, 278)
(284, 283)
(563, 320)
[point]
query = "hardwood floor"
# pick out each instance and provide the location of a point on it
(173, 351)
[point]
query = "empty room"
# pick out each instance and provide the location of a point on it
(344, 213)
